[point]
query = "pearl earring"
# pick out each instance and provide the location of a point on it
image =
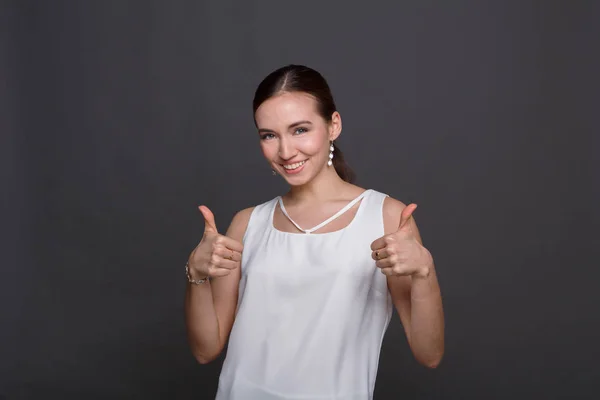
(330, 162)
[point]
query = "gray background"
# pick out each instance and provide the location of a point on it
(119, 117)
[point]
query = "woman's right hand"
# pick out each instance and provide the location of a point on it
(216, 255)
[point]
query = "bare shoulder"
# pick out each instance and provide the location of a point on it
(239, 223)
(392, 213)
(392, 210)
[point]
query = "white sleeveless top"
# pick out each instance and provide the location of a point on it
(312, 310)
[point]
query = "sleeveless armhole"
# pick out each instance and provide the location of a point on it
(258, 216)
(252, 215)
(376, 214)
(381, 212)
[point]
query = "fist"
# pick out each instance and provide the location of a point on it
(400, 253)
(216, 255)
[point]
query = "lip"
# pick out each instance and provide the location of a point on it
(292, 162)
(294, 171)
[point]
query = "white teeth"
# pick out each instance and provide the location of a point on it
(294, 166)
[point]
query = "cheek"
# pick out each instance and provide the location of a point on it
(268, 150)
(312, 146)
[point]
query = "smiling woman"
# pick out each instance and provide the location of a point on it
(305, 309)
(300, 97)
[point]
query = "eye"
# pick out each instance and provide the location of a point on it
(267, 136)
(300, 130)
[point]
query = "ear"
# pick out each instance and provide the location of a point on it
(335, 126)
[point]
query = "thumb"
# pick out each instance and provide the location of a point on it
(406, 215)
(209, 220)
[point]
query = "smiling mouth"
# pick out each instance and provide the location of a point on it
(291, 167)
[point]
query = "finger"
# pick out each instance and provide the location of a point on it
(378, 244)
(384, 263)
(406, 215)
(395, 271)
(219, 272)
(232, 244)
(216, 262)
(209, 220)
(228, 254)
(225, 263)
(379, 254)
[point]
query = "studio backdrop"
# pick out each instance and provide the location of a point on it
(119, 118)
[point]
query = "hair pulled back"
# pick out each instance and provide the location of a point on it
(299, 78)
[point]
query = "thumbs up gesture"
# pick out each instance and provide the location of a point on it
(216, 255)
(400, 253)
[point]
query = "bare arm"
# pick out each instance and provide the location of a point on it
(210, 307)
(418, 300)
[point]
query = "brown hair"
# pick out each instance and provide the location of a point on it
(298, 78)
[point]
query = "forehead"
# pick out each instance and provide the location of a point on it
(285, 109)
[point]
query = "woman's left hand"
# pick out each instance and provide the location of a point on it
(400, 253)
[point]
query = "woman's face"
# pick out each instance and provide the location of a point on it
(294, 138)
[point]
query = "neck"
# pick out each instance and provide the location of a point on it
(326, 185)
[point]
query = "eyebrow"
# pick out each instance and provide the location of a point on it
(289, 127)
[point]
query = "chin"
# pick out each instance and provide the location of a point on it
(297, 180)
(297, 183)
(300, 179)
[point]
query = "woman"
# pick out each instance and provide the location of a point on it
(305, 310)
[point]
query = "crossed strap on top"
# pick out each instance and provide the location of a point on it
(328, 220)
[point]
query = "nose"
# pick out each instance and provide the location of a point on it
(286, 150)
